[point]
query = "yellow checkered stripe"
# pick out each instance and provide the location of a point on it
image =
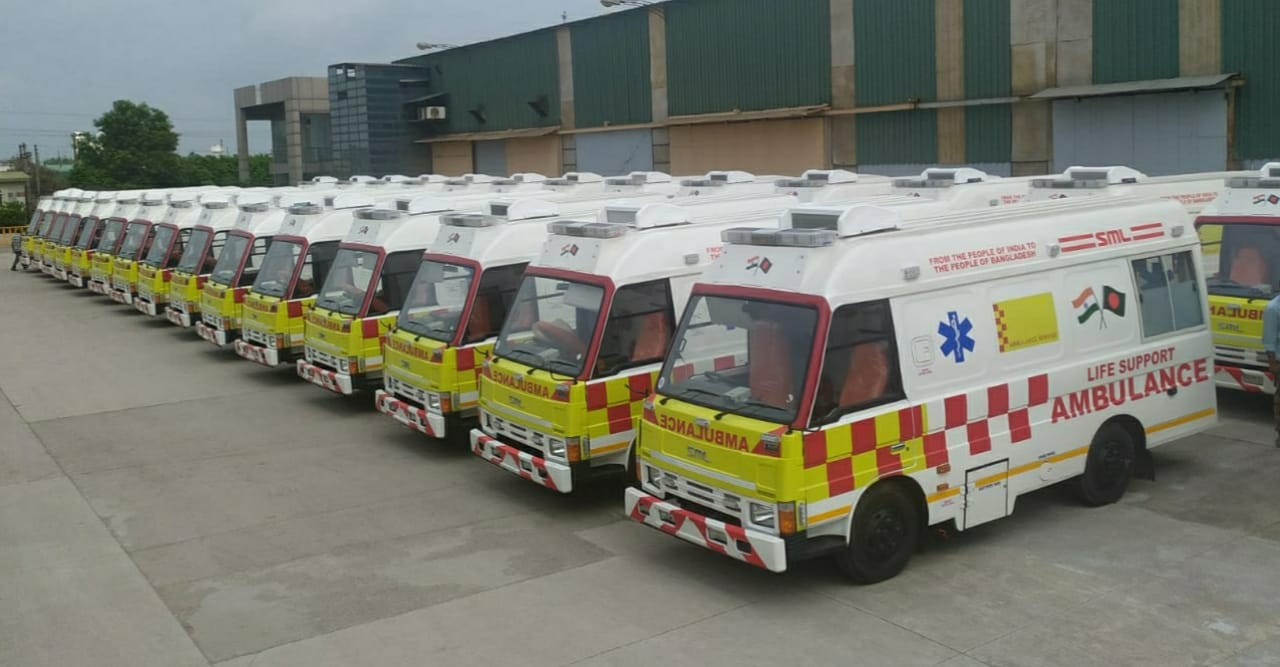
(851, 456)
(613, 406)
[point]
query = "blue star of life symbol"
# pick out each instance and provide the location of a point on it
(955, 336)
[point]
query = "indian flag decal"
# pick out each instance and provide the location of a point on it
(1086, 305)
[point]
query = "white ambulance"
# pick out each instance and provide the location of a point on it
(1193, 191)
(1240, 231)
(169, 242)
(587, 331)
(218, 212)
(838, 385)
(128, 207)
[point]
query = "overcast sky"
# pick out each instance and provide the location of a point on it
(65, 61)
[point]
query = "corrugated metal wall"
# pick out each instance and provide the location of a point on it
(988, 130)
(746, 54)
(611, 68)
(898, 137)
(1134, 40)
(893, 44)
(1250, 46)
(502, 76)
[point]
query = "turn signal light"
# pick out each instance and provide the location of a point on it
(562, 391)
(573, 449)
(437, 355)
(791, 518)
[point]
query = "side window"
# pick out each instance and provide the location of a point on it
(1168, 293)
(215, 250)
(494, 296)
(318, 261)
(639, 328)
(397, 275)
(254, 261)
(860, 365)
(179, 246)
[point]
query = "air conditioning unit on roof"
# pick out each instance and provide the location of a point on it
(431, 113)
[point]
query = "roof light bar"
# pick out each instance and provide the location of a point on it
(469, 220)
(587, 229)
(942, 178)
(305, 209)
(817, 178)
(377, 214)
(793, 238)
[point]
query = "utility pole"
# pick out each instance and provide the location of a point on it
(37, 169)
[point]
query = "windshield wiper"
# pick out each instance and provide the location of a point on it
(567, 365)
(515, 350)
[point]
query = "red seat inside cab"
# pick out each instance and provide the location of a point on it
(770, 373)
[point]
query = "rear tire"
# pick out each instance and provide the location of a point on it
(1109, 467)
(883, 536)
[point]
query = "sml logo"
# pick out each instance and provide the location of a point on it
(569, 249)
(758, 264)
(453, 238)
(1266, 199)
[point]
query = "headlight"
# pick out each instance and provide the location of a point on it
(433, 402)
(556, 448)
(761, 515)
(343, 367)
(308, 354)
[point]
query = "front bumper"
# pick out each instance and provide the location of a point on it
(145, 307)
(60, 273)
(25, 262)
(1244, 379)
(554, 476)
(178, 317)
(75, 279)
(764, 551)
(216, 336)
(257, 353)
(98, 287)
(121, 292)
(339, 383)
(410, 415)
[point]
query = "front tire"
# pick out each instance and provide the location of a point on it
(883, 536)
(1109, 467)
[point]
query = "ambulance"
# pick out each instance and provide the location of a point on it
(128, 206)
(587, 332)
(66, 237)
(60, 209)
(715, 183)
(432, 363)
(218, 214)
(52, 239)
(1240, 231)
(237, 267)
(651, 181)
(169, 243)
(1193, 191)
(43, 208)
(138, 236)
(842, 382)
(370, 279)
(298, 260)
(90, 230)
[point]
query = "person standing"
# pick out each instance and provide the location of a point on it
(17, 251)
(1271, 343)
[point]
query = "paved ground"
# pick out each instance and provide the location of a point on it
(163, 503)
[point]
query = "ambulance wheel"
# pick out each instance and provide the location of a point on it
(1109, 466)
(883, 535)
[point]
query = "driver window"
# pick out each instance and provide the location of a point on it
(315, 268)
(494, 296)
(215, 249)
(860, 365)
(378, 305)
(639, 328)
(254, 261)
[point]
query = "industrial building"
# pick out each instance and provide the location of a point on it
(883, 86)
(298, 110)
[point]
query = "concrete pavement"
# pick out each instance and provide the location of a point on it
(166, 503)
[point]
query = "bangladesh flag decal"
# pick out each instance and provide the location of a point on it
(1113, 300)
(1087, 305)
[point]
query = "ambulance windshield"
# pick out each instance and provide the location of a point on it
(229, 260)
(744, 356)
(69, 231)
(436, 300)
(85, 235)
(158, 256)
(134, 235)
(1241, 259)
(110, 235)
(551, 324)
(197, 248)
(277, 268)
(354, 272)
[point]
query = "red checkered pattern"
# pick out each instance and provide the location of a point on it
(976, 418)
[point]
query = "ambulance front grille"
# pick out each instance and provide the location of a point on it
(1240, 356)
(405, 390)
(322, 358)
(257, 337)
(512, 433)
(706, 497)
(211, 319)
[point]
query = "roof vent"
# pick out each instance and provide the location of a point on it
(795, 238)
(305, 208)
(587, 229)
(847, 222)
(469, 220)
(377, 214)
(938, 177)
(817, 178)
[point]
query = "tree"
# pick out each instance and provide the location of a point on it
(134, 149)
(13, 214)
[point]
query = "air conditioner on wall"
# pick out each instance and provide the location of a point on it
(431, 113)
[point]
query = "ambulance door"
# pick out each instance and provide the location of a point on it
(986, 494)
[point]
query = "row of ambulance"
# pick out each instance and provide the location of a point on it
(781, 368)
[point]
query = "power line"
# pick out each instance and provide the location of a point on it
(73, 114)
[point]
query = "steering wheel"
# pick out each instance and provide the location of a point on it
(560, 335)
